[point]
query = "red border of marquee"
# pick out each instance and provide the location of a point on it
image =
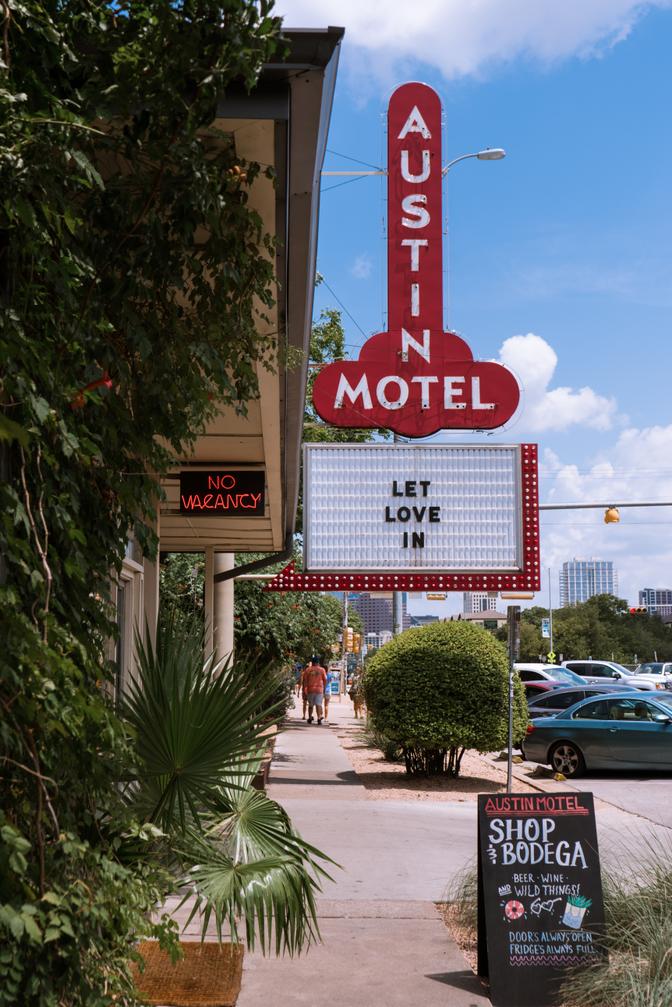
(527, 579)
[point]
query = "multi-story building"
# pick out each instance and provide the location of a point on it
(657, 600)
(478, 601)
(376, 611)
(581, 579)
(423, 620)
(374, 641)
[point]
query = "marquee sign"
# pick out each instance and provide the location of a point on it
(222, 492)
(430, 517)
(415, 379)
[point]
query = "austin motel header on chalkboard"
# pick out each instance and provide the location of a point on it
(415, 379)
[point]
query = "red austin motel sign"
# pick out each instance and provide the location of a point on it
(415, 379)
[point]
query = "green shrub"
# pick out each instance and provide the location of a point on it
(439, 690)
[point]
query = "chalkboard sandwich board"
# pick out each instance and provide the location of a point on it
(540, 909)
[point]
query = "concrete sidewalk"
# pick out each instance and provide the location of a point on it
(384, 943)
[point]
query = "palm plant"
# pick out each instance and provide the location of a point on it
(198, 729)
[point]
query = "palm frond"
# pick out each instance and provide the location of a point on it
(273, 897)
(194, 722)
(198, 729)
(256, 826)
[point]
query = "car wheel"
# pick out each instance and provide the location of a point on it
(567, 759)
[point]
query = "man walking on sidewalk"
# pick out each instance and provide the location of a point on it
(315, 680)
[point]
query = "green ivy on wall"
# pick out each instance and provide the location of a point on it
(130, 281)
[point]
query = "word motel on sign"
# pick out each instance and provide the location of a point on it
(392, 391)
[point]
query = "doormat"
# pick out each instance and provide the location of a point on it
(209, 975)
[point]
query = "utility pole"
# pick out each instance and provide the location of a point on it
(513, 627)
(344, 649)
(397, 608)
(550, 611)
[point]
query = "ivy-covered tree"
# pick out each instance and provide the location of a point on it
(119, 333)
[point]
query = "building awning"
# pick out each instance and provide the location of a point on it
(283, 123)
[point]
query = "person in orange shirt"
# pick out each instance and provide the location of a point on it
(314, 682)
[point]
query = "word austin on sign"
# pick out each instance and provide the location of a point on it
(415, 379)
(540, 909)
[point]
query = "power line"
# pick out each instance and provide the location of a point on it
(338, 185)
(356, 160)
(337, 298)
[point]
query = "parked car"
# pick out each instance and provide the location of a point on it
(659, 672)
(534, 689)
(624, 731)
(552, 701)
(597, 671)
(553, 673)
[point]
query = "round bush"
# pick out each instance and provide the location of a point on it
(441, 689)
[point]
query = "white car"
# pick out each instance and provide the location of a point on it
(659, 672)
(596, 672)
(546, 673)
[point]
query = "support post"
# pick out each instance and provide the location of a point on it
(222, 629)
(397, 608)
(397, 613)
(208, 599)
(513, 627)
(550, 612)
(344, 650)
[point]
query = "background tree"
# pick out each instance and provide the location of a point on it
(601, 628)
(327, 344)
(119, 334)
(278, 629)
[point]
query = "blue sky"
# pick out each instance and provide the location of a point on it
(566, 243)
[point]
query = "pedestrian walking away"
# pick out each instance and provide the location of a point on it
(327, 693)
(304, 694)
(315, 681)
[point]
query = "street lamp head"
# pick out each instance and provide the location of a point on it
(491, 154)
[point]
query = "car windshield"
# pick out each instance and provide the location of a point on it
(564, 675)
(650, 668)
(666, 700)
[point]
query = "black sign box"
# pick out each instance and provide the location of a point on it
(222, 492)
(540, 909)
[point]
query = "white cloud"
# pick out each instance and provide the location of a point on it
(544, 409)
(361, 267)
(460, 38)
(637, 468)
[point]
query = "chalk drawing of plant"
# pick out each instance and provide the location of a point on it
(575, 910)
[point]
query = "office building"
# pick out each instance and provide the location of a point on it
(658, 601)
(478, 601)
(581, 579)
(375, 611)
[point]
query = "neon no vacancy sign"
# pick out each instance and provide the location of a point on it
(222, 492)
(467, 511)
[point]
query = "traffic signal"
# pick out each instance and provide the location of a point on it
(357, 642)
(612, 515)
(349, 638)
(638, 610)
